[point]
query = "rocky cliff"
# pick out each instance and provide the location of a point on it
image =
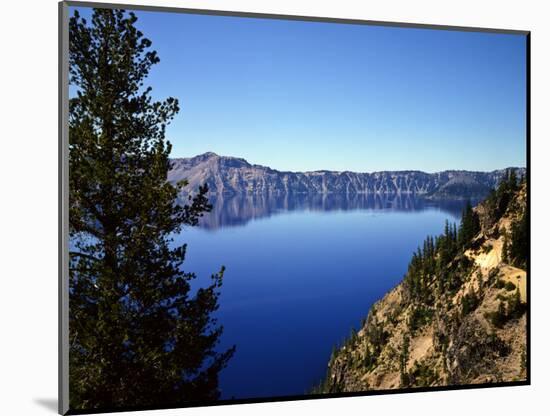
(459, 315)
(231, 176)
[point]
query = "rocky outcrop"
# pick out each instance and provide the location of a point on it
(465, 322)
(230, 176)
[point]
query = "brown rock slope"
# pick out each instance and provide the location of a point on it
(458, 317)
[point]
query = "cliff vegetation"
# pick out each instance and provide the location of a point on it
(459, 315)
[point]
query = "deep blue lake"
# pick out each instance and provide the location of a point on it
(300, 273)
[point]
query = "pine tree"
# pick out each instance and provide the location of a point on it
(501, 315)
(368, 358)
(137, 336)
(403, 360)
(505, 248)
(479, 280)
(515, 309)
(504, 193)
(519, 244)
(469, 226)
(512, 181)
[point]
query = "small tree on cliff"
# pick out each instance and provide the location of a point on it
(403, 360)
(505, 247)
(519, 245)
(469, 226)
(137, 337)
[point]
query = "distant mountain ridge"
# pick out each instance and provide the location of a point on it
(227, 175)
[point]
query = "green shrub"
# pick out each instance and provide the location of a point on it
(493, 274)
(422, 375)
(369, 359)
(498, 345)
(499, 317)
(470, 303)
(515, 307)
(514, 310)
(420, 317)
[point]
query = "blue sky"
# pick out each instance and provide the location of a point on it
(306, 95)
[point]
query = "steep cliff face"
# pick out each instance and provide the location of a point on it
(457, 322)
(230, 176)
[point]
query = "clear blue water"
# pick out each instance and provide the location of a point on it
(299, 277)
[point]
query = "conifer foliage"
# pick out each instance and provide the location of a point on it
(138, 335)
(519, 248)
(469, 226)
(429, 265)
(516, 242)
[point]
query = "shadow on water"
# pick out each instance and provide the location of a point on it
(238, 210)
(49, 404)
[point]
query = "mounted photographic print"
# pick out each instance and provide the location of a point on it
(263, 207)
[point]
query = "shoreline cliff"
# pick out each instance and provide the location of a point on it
(459, 315)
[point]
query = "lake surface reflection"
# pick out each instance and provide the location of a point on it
(300, 273)
(240, 209)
